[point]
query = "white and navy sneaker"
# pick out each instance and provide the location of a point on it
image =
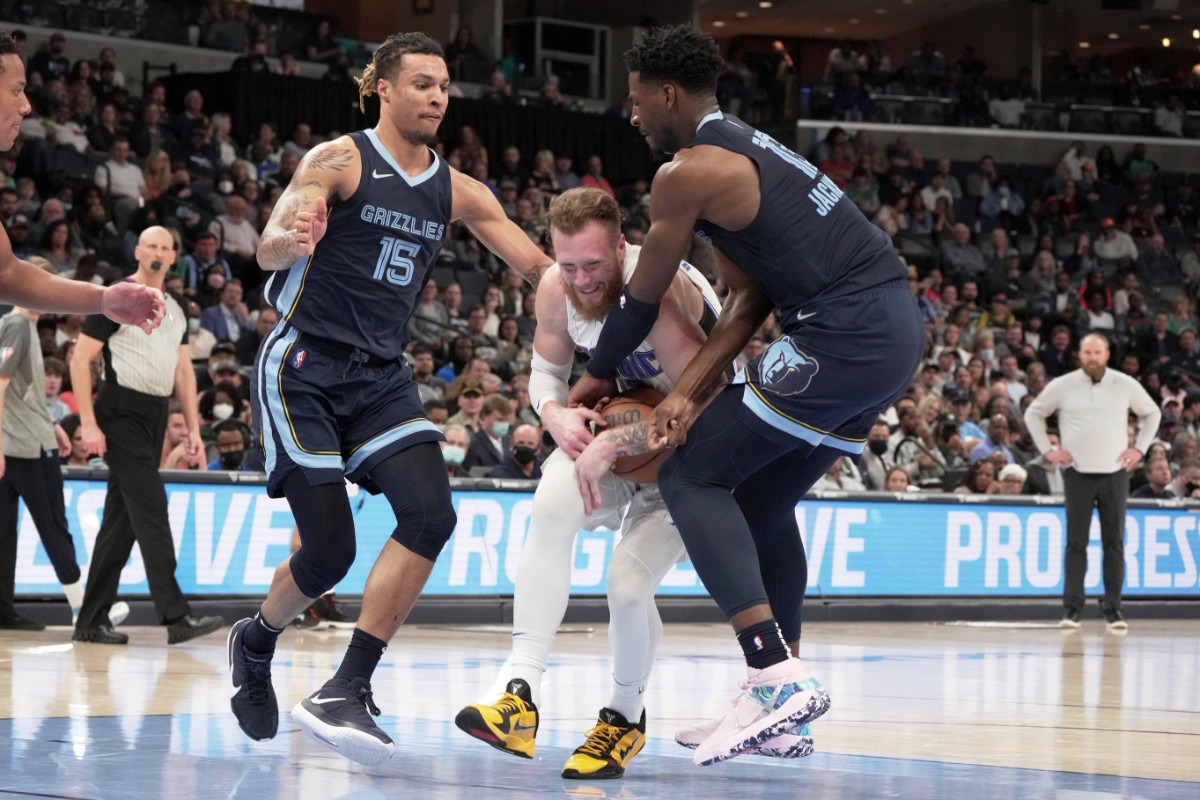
(339, 716)
(795, 743)
(774, 701)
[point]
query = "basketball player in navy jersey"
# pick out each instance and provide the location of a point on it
(352, 242)
(784, 236)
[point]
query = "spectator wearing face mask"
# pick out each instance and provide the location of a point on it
(232, 438)
(521, 461)
(874, 464)
(489, 442)
(454, 449)
(208, 293)
(202, 340)
(198, 265)
(216, 405)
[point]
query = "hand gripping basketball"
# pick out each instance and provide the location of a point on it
(632, 407)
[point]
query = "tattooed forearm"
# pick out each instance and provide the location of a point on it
(274, 249)
(630, 440)
(534, 276)
(290, 204)
(335, 157)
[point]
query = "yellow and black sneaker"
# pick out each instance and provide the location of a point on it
(510, 724)
(609, 747)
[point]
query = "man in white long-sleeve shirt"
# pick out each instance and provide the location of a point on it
(1093, 405)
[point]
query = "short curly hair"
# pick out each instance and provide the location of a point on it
(7, 45)
(386, 62)
(679, 54)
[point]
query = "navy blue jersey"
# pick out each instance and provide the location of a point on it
(809, 243)
(362, 282)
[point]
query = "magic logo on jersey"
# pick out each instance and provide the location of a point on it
(638, 366)
(785, 369)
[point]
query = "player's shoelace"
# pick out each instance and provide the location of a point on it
(367, 697)
(600, 740)
(258, 681)
(510, 704)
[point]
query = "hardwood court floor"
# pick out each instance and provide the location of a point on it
(919, 711)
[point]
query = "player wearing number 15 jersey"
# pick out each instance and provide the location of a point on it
(352, 242)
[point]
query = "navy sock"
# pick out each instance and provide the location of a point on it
(362, 656)
(763, 645)
(258, 640)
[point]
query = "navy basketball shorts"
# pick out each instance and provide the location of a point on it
(332, 411)
(827, 379)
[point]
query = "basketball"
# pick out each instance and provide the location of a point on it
(629, 407)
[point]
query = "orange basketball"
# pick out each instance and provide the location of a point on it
(633, 406)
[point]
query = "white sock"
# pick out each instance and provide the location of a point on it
(74, 593)
(530, 651)
(628, 699)
(645, 554)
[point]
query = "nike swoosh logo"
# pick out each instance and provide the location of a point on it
(320, 701)
(377, 174)
(801, 316)
(520, 727)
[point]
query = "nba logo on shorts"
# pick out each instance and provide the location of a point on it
(6, 354)
(298, 359)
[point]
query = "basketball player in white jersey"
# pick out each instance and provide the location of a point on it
(572, 301)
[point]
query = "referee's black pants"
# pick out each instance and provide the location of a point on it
(1107, 492)
(135, 508)
(39, 482)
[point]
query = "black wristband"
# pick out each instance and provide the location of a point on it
(627, 326)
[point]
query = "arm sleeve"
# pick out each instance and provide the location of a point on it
(547, 381)
(627, 326)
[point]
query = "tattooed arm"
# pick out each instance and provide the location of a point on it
(676, 338)
(328, 172)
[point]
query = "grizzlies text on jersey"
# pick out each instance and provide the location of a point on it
(365, 276)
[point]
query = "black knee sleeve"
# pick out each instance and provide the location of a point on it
(426, 530)
(327, 543)
(414, 482)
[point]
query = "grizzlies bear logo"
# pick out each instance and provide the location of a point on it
(785, 369)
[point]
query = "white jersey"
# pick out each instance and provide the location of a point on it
(641, 367)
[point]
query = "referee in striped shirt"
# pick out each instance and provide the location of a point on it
(126, 424)
(1093, 405)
